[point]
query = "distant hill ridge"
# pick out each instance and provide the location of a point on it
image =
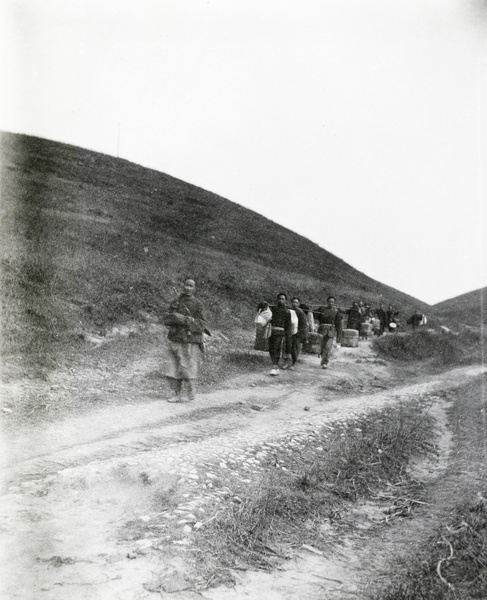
(469, 308)
(89, 241)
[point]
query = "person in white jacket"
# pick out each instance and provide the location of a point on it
(262, 327)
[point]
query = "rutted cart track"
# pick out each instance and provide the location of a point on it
(70, 487)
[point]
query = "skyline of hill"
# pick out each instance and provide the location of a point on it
(469, 308)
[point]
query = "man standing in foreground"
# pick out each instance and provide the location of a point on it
(330, 327)
(280, 339)
(186, 323)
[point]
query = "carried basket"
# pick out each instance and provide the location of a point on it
(365, 330)
(313, 343)
(350, 338)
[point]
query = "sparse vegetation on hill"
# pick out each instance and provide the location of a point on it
(470, 309)
(90, 242)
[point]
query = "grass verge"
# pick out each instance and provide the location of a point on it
(456, 568)
(306, 483)
(466, 347)
(451, 564)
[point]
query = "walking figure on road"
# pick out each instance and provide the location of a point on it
(262, 327)
(391, 318)
(330, 327)
(354, 316)
(186, 323)
(382, 316)
(280, 339)
(417, 319)
(299, 338)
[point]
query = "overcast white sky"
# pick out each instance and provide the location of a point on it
(360, 124)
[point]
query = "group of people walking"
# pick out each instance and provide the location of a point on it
(284, 331)
(364, 319)
(387, 320)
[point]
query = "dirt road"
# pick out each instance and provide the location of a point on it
(74, 491)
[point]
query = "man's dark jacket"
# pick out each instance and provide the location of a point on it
(185, 320)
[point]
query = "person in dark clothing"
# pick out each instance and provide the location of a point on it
(330, 327)
(391, 316)
(186, 323)
(416, 320)
(310, 329)
(280, 338)
(382, 316)
(299, 338)
(354, 316)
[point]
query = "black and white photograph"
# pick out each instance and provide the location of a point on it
(243, 317)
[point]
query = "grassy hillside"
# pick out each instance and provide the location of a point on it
(90, 242)
(470, 308)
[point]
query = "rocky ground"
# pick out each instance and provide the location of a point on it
(105, 505)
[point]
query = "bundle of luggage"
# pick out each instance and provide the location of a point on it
(313, 343)
(263, 327)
